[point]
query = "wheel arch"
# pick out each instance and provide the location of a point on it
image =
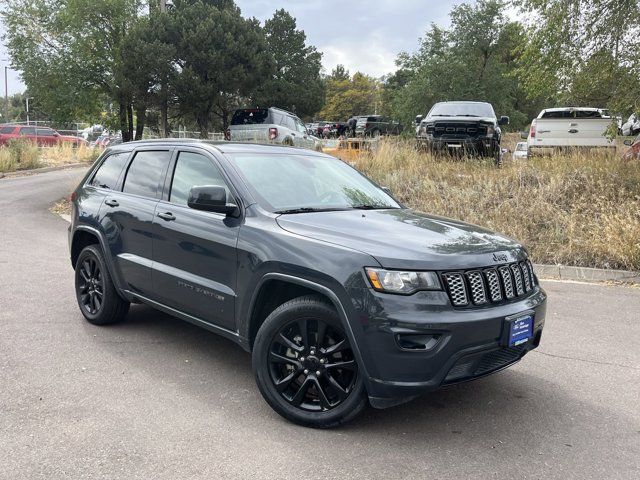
(295, 286)
(84, 236)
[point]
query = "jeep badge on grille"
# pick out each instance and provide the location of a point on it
(500, 257)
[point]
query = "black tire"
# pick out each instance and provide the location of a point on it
(313, 390)
(97, 297)
(288, 142)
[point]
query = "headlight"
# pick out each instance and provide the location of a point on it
(490, 131)
(394, 281)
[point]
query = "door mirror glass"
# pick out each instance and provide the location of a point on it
(210, 198)
(504, 120)
(628, 143)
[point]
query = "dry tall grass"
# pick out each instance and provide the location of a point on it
(21, 155)
(574, 209)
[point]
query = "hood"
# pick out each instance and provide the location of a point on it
(491, 120)
(406, 239)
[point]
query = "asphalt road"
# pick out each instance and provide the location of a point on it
(156, 398)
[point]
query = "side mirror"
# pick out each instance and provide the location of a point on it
(210, 198)
(628, 143)
(504, 120)
(524, 135)
(418, 119)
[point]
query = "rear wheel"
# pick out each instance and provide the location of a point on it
(305, 367)
(97, 297)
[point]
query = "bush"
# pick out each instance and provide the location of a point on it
(19, 155)
(578, 209)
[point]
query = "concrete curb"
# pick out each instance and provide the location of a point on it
(585, 274)
(21, 173)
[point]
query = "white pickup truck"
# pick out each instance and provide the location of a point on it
(569, 127)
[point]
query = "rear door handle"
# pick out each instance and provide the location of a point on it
(168, 216)
(111, 202)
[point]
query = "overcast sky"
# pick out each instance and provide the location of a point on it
(364, 35)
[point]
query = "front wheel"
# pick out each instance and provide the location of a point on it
(305, 367)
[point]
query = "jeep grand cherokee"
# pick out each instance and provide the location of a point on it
(341, 294)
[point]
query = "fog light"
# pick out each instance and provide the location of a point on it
(416, 341)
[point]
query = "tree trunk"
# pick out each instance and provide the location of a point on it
(164, 111)
(124, 128)
(141, 113)
(202, 118)
(130, 115)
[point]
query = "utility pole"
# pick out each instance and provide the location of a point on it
(6, 96)
(28, 110)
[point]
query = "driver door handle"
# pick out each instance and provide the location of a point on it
(111, 202)
(168, 216)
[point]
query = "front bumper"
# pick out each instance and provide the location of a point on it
(453, 144)
(461, 343)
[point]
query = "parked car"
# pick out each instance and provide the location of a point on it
(339, 292)
(376, 125)
(520, 153)
(462, 127)
(569, 127)
(42, 136)
(631, 127)
(634, 150)
(270, 125)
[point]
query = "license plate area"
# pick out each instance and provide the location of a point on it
(517, 329)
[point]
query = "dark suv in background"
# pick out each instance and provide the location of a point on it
(340, 292)
(469, 128)
(376, 125)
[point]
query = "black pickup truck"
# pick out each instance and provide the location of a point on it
(471, 128)
(376, 125)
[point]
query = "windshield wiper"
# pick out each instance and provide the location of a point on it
(467, 115)
(364, 206)
(308, 210)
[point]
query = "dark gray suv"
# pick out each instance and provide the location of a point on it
(341, 293)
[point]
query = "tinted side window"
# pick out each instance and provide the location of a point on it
(6, 130)
(193, 169)
(107, 174)
(289, 123)
(146, 172)
(45, 132)
(27, 131)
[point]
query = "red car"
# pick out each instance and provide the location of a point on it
(634, 151)
(43, 136)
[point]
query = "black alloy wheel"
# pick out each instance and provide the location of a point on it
(97, 297)
(91, 286)
(312, 365)
(305, 365)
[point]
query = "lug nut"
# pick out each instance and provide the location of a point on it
(318, 373)
(302, 359)
(306, 372)
(322, 360)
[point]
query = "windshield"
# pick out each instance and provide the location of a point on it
(287, 183)
(250, 116)
(462, 110)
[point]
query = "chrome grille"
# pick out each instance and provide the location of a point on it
(517, 274)
(457, 289)
(494, 284)
(507, 283)
(525, 273)
(476, 284)
(490, 285)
